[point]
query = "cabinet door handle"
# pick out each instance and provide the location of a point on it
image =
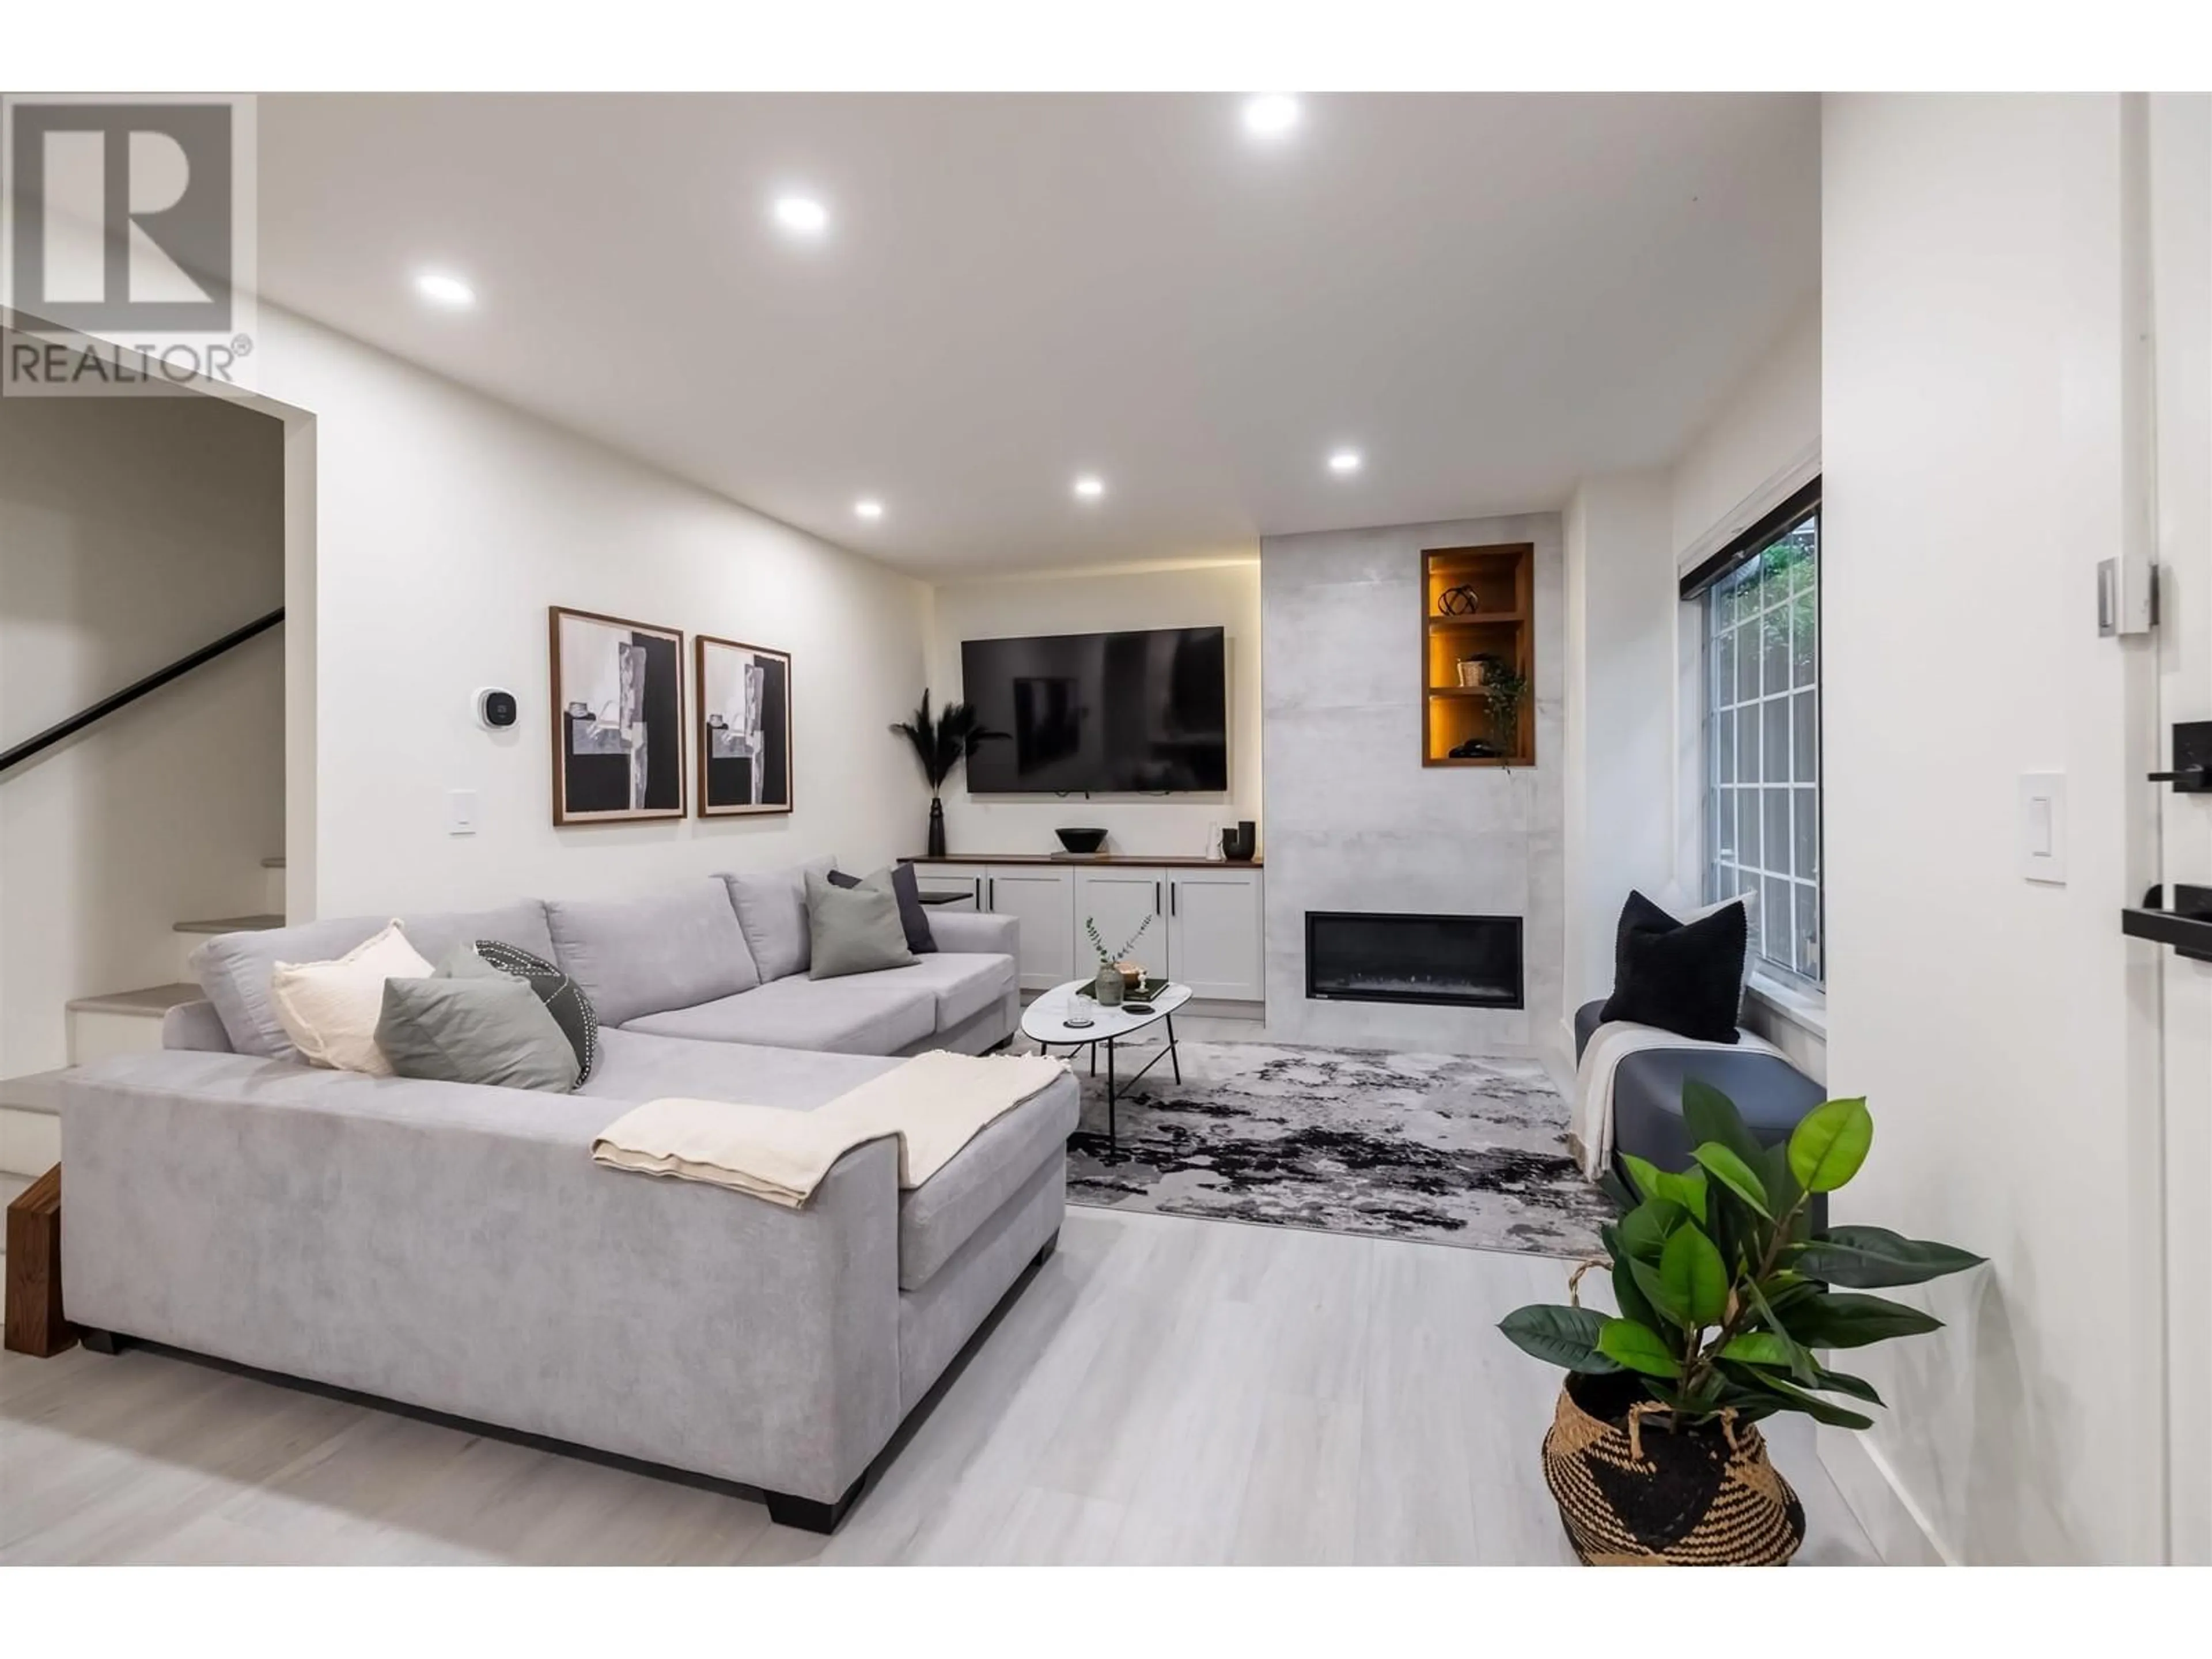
(1156, 898)
(990, 892)
(1171, 895)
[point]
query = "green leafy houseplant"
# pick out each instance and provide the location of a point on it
(940, 745)
(1107, 958)
(1509, 690)
(1725, 1291)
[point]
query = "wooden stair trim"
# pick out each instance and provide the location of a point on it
(34, 1321)
(254, 924)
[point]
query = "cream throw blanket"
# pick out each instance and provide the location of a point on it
(935, 1103)
(1589, 1131)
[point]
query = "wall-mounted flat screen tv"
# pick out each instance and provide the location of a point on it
(1100, 713)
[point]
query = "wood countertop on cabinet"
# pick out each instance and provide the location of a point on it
(1161, 862)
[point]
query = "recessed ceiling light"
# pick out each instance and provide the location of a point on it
(1090, 489)
(869, 508)
(441, 288)
(802, 215)
(1344, 460)
(1271, 114)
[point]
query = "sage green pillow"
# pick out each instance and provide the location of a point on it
(854, 930)
(475, 1029)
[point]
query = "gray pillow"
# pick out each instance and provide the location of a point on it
(853, 930)
(563, 997)
(913, 916)
(771, 907)
(468, 1028)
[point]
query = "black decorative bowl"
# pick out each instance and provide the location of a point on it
(1081, 840)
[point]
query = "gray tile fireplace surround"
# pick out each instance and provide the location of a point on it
(1355, 821)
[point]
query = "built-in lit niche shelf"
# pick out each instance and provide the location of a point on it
(1501, 625)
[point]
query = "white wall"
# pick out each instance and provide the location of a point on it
(1224, 595)
(444, 523)
(1976, 466)
(132, 530)
(1764, 425)
(1619, 782)
(1634, 783)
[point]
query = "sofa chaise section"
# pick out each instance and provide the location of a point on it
(454, 1247)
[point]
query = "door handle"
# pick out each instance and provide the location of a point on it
(1156, 898)
(2187, 927)
(1171, 895)
(2192, 759)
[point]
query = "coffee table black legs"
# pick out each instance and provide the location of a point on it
(1170, 1051)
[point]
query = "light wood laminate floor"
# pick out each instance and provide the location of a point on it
(1162, 1390)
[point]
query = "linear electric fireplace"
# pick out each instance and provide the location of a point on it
(1367, 956)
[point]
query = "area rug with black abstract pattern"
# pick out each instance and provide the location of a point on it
(1450, 1149)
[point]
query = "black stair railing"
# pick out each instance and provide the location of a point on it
(76, 723)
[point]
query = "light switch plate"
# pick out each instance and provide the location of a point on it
(2043, 826)
(460, 811)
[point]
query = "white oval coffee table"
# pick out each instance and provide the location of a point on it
(1045, 1021)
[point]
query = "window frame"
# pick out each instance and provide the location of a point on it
(1713, 585)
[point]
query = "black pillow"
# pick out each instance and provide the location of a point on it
(563, 999)
(1683, 978)
(913, 916)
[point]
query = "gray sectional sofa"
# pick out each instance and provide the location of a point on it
(454, 1247)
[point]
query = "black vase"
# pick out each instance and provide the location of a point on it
(935, 828)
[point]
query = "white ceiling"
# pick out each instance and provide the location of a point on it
(1489, 296)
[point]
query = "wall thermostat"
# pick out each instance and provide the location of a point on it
(495, 709)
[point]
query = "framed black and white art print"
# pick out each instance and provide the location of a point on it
(744, 698)
(618, 719)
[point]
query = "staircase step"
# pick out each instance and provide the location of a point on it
(39, 1091)
(30, 1125)
(122, 1022)
(150, 1003)
(255, 923)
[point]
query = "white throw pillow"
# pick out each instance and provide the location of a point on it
(329, 1009)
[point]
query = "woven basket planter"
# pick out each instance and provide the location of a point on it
(1633, 1492)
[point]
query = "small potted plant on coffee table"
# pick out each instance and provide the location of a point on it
(1728, 1299)
(1112, 978)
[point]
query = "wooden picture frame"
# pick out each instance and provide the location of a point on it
(617, 718)
(742, 697)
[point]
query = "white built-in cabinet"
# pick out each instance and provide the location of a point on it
(1214, 934)
(1037, 898)
(1121, 899)
(1201, 924)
